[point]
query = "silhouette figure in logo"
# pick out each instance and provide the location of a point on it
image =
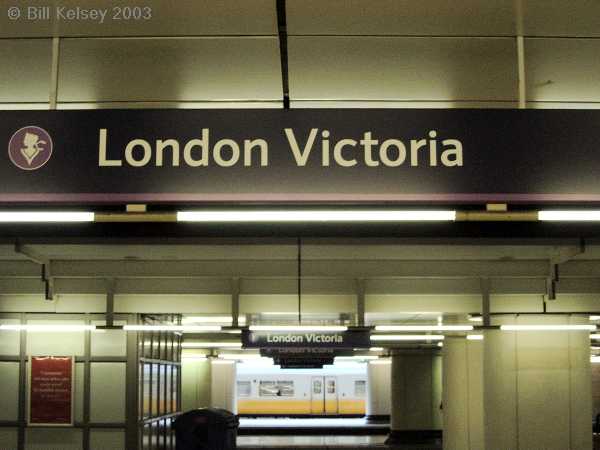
(32, 149)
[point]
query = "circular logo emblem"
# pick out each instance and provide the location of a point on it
(30, 148)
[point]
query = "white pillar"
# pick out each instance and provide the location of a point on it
(379, 374)
(537, 387)
(463, 394)
(416, 396)
(224, 385)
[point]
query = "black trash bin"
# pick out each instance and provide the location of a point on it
(206, 429)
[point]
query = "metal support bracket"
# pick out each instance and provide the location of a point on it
(360, 302)
(44, 262)
(235, 301)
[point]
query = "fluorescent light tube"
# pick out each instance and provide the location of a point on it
(424, 328)
(594, 317)
(45, 216)
(299, 328)
(211, 345)
(213, 319)
(475, 319)
(359, 215)
(181, 328)
(595, 336)
(548, 327)
(48, 328)
(475, 337)
(595, 359)
(244, 357)
(570, 216)
(194, 358)
(356, 358)
(407, 337)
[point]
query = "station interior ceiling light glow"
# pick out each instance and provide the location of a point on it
(570, 216)
(356, 358)
(475, 319)
(298, 328)
(48, 328)
(410, 328)
(180, 328)
(211, 345)
(358, 215)
(212, 319)
(548, 327)
(407, 337)
(475, 337)
(45, 216)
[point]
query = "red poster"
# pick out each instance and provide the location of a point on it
(51, 390)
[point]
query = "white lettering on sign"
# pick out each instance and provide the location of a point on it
(316, 147)
(307, 338)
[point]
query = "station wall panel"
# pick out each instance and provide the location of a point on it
(55, 343)
(26, 68)
(402, 68)
(107, 392)
(9, 438)
(109, 342)
(169, 69)
(9, 340)
(9, 391)
(107, 439)
(562, 70)
(53, 439)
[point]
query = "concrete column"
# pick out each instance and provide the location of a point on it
(223, 391)
(463, 394)
(537, 387)
(416, 396)
(195, 384)
(379, 374)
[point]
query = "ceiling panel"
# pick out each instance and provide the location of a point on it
(392, 68)
(157, 18)
(169, 69)
(25, 72)
(561, 18)
(402, 17)
(562, 70)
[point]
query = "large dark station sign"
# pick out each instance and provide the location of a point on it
(306, 340)
(358, 155)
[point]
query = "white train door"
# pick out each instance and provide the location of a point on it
(331, 396)
(317, 396)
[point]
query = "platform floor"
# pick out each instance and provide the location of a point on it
(301, 427)
(322, 442)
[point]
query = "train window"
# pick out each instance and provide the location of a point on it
(286, 388)
(317, 387)
(331, 386)
(244, 388)
(267, 389)
(276, 389)
(360, 388)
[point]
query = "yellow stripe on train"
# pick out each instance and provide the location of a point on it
(291, 407)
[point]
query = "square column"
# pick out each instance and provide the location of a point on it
(416, 396)
(537, 386)
(534, 386)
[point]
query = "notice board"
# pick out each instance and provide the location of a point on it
(51, 390)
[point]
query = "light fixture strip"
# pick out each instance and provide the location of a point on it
(407, 337)
(292, 328)
(548, 327)
(48, 328)
(211, 345)
(359, 215)
(180, 328)
(411, 328)
(569, 216)
(45, 216)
